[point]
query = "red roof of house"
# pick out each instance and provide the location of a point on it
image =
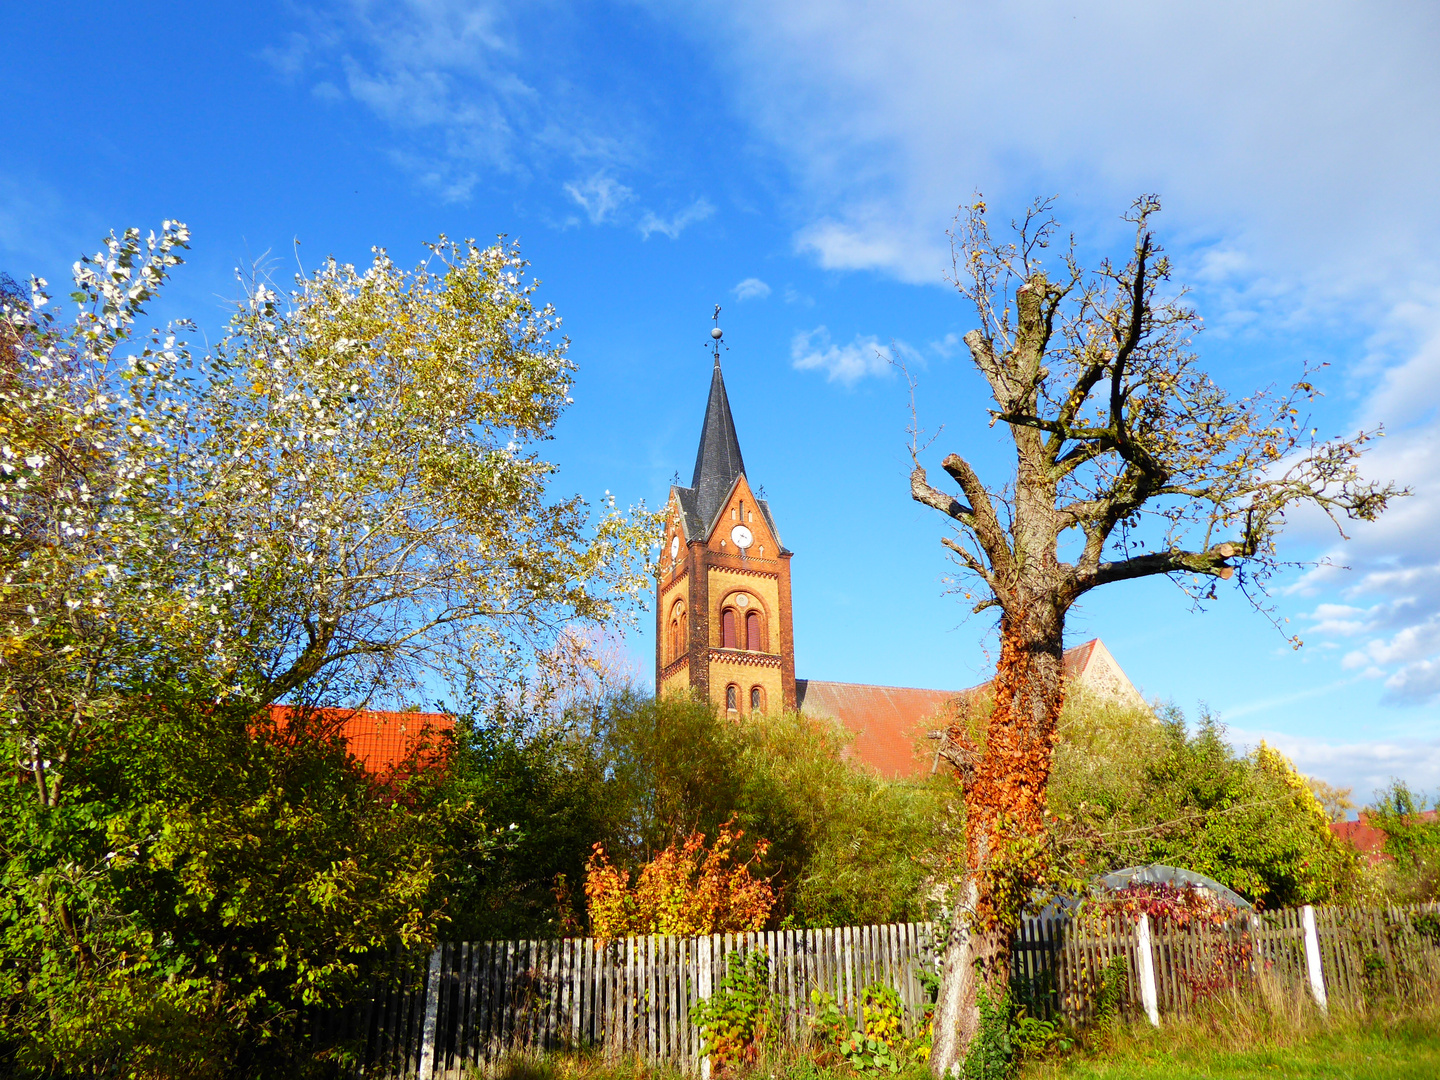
(1365, 838)
(890, 722)
(379, 740)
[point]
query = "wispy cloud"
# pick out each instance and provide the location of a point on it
(752, 288)
(871, 241)
(676, 223)
(812, 350)
(1379, 595)
(946, 346)
(599, 196)
(464, 88)
(288, 56)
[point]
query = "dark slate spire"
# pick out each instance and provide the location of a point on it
(718, 461)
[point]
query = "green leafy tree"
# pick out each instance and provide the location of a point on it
(1412, 840)
(1129, 788)
(638, 775)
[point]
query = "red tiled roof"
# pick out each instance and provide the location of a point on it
(1074, 660)
(379, 740)
(1365, 838)
(890, 722)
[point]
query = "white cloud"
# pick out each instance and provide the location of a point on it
(1299, 132)
(812, 350)
(599, 195)
(1364, 766)
(752, 288)
(674, 225)
(908, 253)
(1382, 595)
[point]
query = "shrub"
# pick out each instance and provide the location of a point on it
(685, 889)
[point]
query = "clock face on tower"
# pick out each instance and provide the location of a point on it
(741, 537)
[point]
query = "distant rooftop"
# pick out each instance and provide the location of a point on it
(890, 723)
(381, 741)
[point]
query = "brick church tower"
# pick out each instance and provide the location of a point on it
(723, 629)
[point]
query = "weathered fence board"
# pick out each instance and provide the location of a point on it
(469, 1003)
(473, 1002)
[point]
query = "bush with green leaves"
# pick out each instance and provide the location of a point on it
(1412, 841)
(878, 1045)
(1131, 787)
(637, 773)
(991, 1053)
(200, 890)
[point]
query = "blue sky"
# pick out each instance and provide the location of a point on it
(799, 163)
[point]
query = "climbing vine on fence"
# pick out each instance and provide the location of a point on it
(737, 1018)
(879, 1045)
(1229, 947)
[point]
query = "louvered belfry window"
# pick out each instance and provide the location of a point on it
(752, 632)
(727, 630)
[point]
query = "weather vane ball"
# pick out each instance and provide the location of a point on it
(715, 334)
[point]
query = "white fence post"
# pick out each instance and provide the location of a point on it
(1145, 961)
(432, 1013)
(1312, 957)
(707, 986)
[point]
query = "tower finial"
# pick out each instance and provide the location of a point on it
(715, 335)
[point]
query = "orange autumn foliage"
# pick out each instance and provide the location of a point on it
(685, 889)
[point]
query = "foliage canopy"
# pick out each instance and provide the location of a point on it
(343, 498)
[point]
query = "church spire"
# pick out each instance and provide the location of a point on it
(718, 461)
(723, 627)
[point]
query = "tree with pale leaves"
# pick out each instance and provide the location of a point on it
(344, 502)
(1130, 462)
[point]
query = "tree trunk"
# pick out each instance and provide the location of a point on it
(1004, 795)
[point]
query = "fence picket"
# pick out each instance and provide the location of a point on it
(486, 999)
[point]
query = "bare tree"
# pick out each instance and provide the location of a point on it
(1130, 461)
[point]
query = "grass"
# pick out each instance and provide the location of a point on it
(1233, 1040)
(1241, 1043)
(1371, 1056)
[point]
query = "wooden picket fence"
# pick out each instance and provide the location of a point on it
(473, 1003)
(477, 1002)
(1341, 957)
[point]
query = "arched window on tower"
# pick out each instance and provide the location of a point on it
(727, 630)
(732, 696)
(753, 641)
(677, 629)
(757, 700)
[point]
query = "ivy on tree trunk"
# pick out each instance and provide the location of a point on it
(1130, 461)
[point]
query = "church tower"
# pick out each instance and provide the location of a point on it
(723, 629)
